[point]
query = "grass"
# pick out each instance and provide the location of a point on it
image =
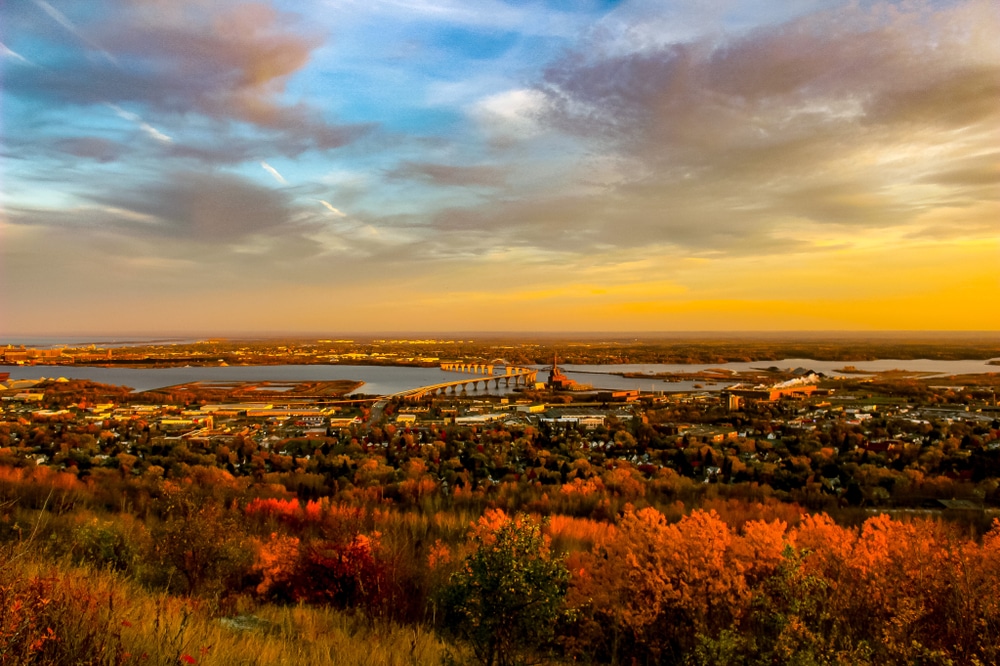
(55, 613)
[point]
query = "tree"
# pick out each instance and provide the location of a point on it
(507, 597)
(652, 587)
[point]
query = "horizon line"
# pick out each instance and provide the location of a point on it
(21, 338)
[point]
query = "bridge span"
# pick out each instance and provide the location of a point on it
(520, 376)
(471, 367)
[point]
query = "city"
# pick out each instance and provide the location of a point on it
(884, 440)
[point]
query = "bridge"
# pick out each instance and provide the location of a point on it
(520, 376)
(469, 367)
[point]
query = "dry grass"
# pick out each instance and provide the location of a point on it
(59, 614)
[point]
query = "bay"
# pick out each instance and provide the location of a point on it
(959, 367)
(383, 380)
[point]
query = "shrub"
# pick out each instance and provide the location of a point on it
(506, 599)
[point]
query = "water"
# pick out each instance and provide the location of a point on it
(382, 380)
(964, 367)
(378, 380)
(53, 342)
(600, 377)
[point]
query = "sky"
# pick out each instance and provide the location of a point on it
(216, 167)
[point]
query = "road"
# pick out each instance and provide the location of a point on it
(376, 414)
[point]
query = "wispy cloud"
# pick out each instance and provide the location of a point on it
(528, 18)
(13, 55)
(150, 131)
(274, 172)
(330, 207)
(61, 19)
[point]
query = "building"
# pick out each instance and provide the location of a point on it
(557, 380)
(795, 388)
(627, 395)
(237, 408)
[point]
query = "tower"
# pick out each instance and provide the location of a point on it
(557, 380)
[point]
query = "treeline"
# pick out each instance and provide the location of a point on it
(569, 350)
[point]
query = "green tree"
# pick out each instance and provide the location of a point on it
(509, 593)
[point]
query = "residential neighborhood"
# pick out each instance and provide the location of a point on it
(871, 442)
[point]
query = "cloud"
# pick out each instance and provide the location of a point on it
(826, 71)
(833, 118)
(274, 173)
(785, 139)
(511, 115)
(204, 207)
(61, 19)
(444, 10)
(962, 96)
(13, 55)
(451, 175)
(494, 15)
(190, 207)
(331, 208)
(221, 145)
(91, 147)
(228, 62)
(978, 172)
(148, 129)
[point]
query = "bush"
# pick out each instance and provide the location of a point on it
(206, 548)
(506, 599)
(105, 544)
